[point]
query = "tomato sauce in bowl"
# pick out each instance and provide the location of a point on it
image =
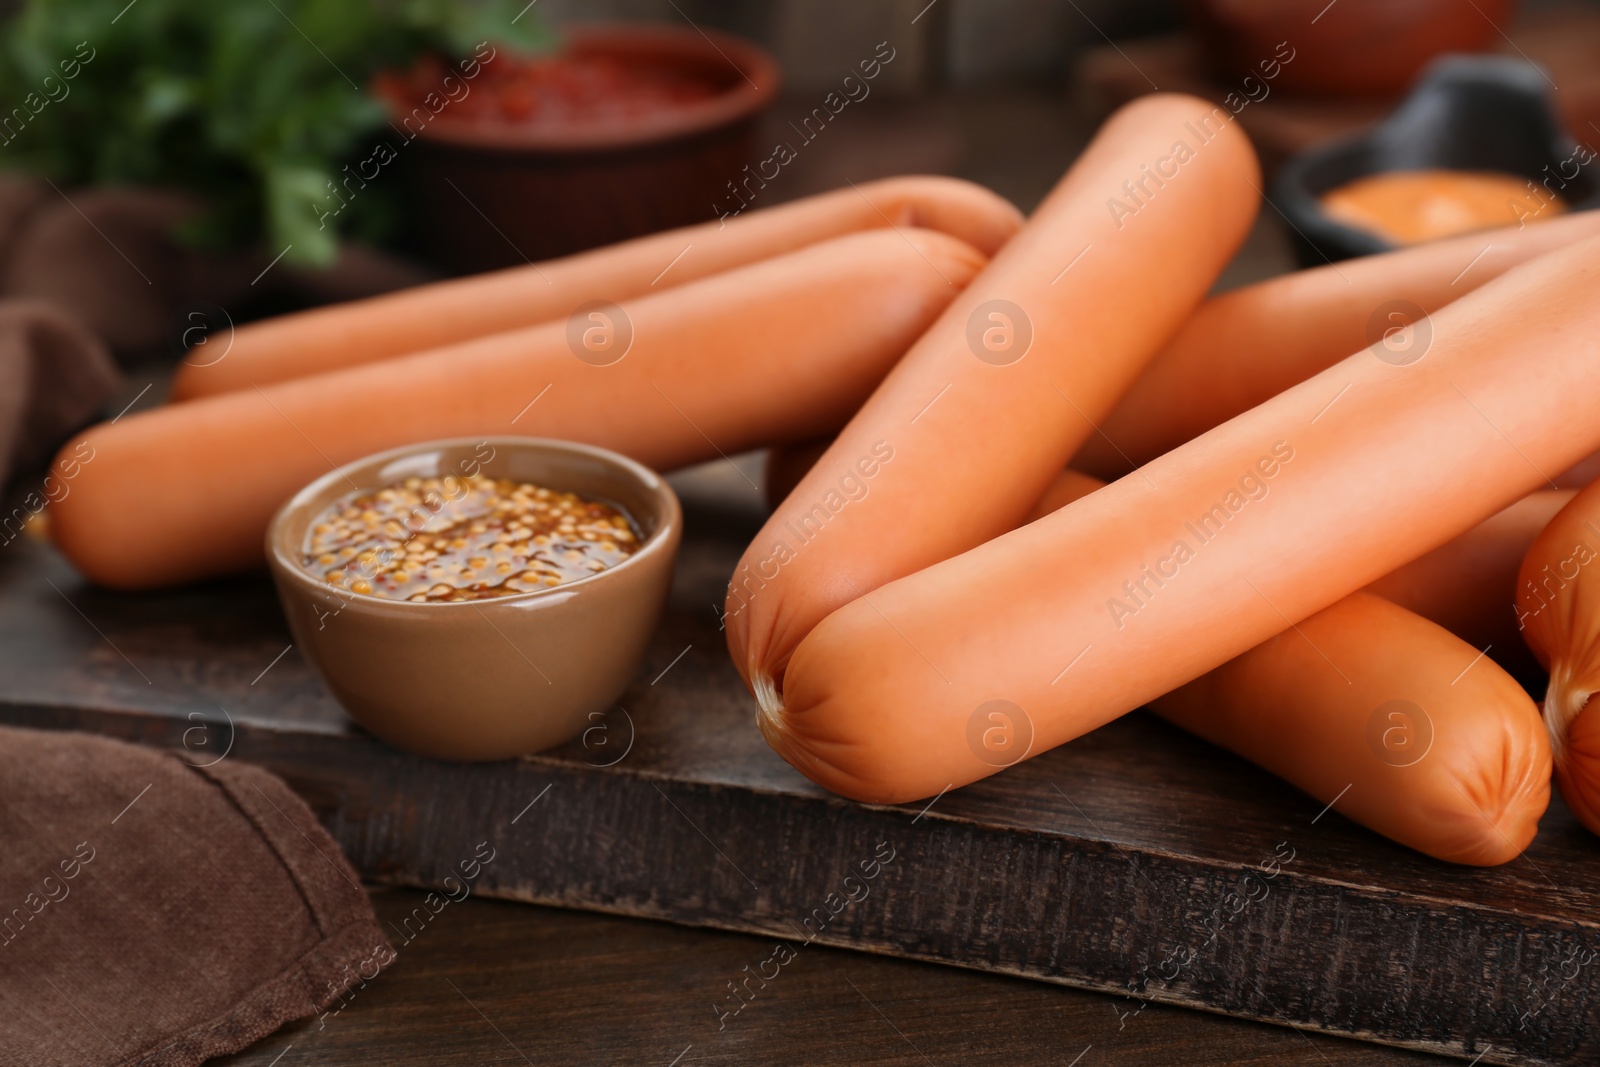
(628, 129)
(562, 90)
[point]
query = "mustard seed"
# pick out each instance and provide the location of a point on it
(457, 534)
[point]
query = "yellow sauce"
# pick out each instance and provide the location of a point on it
(432, 540)
(1410, 207)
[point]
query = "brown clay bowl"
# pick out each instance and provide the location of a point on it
(485, 679)
(489, 194)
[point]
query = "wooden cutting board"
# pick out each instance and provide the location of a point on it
(1137, 860)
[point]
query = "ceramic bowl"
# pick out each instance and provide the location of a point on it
(554, 191)
(1480, 113)
(484, 679)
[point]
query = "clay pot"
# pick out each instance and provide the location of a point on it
(483, 679)
(487, 194)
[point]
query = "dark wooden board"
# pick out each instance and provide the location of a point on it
(1130, 858)
(564, 987)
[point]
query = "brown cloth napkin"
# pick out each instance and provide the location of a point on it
(156, 913)
(110, 258)
(54, 377)
(88, 273)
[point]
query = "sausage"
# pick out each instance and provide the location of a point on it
(1069, 485)
(1391, 720)
(991, 402)
(1558, 611)
(1338, 733)
(731, 362)
(1469, 586)
(1579, 475)
(1246, 346)
(432, 316)
(1206, 551)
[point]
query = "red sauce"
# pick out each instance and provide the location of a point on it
(567, 90)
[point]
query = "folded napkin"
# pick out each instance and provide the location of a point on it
(110, 257)
(157, 913)
(54, 377)
(86, 274)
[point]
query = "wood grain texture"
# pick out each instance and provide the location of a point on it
(559, 987)
(1134, 861)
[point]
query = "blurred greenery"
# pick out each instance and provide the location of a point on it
(255, 105)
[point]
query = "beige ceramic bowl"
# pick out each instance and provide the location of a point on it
(485, 679)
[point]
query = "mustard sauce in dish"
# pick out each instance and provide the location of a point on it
(452, 539)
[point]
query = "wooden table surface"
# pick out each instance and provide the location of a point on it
(1137, 854)
(492, 982)
(495, 983)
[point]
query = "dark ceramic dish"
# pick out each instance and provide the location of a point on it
(483, 679)
(1483, 113)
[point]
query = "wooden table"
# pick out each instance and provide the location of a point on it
(493, 983)
(1136, 861)
(1083, 867)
